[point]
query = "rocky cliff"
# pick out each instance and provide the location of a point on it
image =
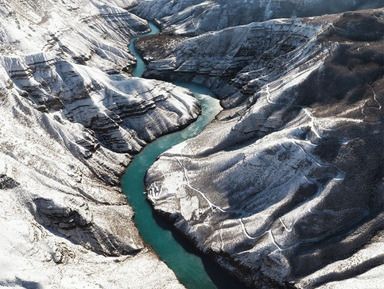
(289, 191)
(71, 119)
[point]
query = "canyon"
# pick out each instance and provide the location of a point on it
(289, 191)
(284, 189)
(72, 118)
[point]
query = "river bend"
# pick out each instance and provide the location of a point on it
(192, 270)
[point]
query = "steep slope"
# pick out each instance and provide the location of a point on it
(71, 120)
(193, 17)
(289, 191)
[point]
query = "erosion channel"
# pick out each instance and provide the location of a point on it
(193, 271)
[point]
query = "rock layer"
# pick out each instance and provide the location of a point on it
(289, 191)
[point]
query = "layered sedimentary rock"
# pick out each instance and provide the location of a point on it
(289, 191)
(71, 119)
(193, 17)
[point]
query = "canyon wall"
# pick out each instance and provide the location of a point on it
(289, 191)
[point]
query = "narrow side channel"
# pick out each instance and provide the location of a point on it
(140, 65)
(192, 270)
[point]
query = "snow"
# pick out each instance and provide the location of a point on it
(67, 128)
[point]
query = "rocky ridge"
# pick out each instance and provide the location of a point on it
(71, 120)
(289, 191)
(194, 17)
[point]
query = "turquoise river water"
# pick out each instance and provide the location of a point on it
(193, 270)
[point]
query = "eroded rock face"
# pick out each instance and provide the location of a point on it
(194, 17)
(113, 108)
(70, 121)
(235, 61)
(289, 191)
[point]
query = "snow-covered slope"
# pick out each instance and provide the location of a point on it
(285, 188)
(193, 17)
(70, 121)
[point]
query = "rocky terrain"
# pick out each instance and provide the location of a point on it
(192, 17)
(284, 188)
(71, 119)
(289, 191)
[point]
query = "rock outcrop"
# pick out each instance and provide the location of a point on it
(71, 119)
(289, 191)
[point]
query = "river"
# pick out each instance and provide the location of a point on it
(193, 270)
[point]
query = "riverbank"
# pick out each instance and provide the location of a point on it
(191, 268)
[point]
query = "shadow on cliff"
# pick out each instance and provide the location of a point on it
(220, 277)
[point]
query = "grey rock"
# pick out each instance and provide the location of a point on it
(7, 183)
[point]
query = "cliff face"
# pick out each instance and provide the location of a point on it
(194, 17)
(70, 121)
(234, 62)
(290, 188)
